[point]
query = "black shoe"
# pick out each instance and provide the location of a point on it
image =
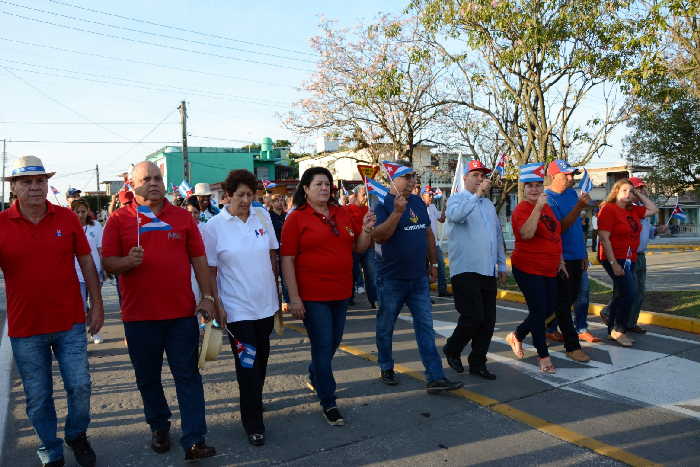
(604, 317)
(373, 305)
(256, 439)
(637, 330)
(454, 361)
(389, 378)
(444, 294)
(160, 440)
(57, 463)
(333, 416)
(199, 451)
(441, 385)
(432, 300)
(483, 372)
(84, 455)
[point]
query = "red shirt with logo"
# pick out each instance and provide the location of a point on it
(43, 294)
(160, 287)
(624, 226)
(541, 254)
(323, 260)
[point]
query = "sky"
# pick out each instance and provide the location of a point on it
(110, 75)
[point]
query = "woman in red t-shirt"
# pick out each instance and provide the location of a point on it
(619, 228)
(318, 239)
(536, 260)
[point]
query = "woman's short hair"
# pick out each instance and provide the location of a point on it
(75, 204)
(612, 196)
(300, 195)
(237, 178)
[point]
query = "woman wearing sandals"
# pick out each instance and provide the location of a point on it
(241, 250)
(619, 227)
(536, 259)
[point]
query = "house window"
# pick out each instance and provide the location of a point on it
(262, 172)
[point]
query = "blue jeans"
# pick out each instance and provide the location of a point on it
(366, 262)
(621, 304)
(640, 270)
(416, 295)
(441, 279)
(581, 304)
(33, 358)
(179, 338)
(324, 322)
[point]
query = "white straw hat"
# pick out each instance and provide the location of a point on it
(202, 189)
(27, 165)
(211, 345)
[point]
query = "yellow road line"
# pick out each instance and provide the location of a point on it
(675, 247)
(540, 424)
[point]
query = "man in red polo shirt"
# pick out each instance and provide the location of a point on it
(151, 244)
(45, 309)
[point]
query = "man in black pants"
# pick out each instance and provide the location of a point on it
(476, 255)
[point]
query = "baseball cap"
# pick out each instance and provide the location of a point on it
(637, 182)
(125, 197)
(476, 165)
(560, 166)
(73, 192)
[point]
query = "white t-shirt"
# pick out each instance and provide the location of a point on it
(94, 237)
(241, 252)
(434, 214)
(594, 222)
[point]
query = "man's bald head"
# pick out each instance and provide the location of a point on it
(147, 182)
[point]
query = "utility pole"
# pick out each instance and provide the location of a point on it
(97, 176)
(185, 154)
(4, 157)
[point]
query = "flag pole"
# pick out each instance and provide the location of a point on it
(391, 180)
(138, 229)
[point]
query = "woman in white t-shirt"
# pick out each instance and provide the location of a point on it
(93, 232)
(240, 244)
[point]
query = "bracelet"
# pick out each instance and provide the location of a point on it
(208, 297)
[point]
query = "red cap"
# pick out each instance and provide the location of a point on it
(637, 182)
(561, 166)
(126, 197)
(477, 165)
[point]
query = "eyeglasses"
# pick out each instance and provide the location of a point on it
(330, 222)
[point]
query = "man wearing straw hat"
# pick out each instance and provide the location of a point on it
(33, 231)
(144, 241)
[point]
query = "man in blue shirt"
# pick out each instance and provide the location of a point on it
(406, 241)
(567, 206)
(475, 246)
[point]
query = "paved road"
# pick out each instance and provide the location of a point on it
(666, 271)
(643, 402)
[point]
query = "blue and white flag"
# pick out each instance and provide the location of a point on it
(148, 222)
(246, 354)
(377, 189)
(185, 189)
(679, 213)
(585, 185)
(532, 172)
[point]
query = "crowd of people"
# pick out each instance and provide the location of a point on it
(240, 263)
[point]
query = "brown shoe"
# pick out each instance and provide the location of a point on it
(578, 355)
(555, 336)
(199, 451)
(588, 337)
(637, 330)
(621, 338)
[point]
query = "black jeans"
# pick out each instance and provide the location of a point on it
(567, 291)
(475, 300)
(541, 297)
(251, 375)
(179, 338)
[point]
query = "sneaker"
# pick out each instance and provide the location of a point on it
(360, 290)
(199, 451)
(96, 339)
(440, 385)
(84, 455)
(333, 416)
(555, 336)
(389, 378)
(578, 355)
(587, 337)
(453, 361)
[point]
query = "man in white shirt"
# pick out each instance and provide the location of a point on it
(435, 217)
(477, 256)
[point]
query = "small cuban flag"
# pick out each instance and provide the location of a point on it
(532, 172)
(267, 184)
(585, 185)
(246, 354)
(628, 260)
(377, 189)
(55, 191)
(679, 214)
(151, 222)
(395, 170)
(437, 194)
(501, 165)
(185, 189)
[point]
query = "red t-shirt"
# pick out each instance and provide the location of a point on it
(541, 254)
(357, 213)
(160, 288)
(624, 226)
(38, 261)
(323, 260)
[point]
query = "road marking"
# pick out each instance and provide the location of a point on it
(5, 376)
(518, 415)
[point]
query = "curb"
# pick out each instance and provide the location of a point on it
(670, 246)
(664, 320)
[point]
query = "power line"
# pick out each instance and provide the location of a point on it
(140, 62)
(154, 34)
(48, 141)
(19, 122)
(175, 28)
(154, 44)
(223, 139)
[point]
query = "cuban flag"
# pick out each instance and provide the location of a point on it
(585, 185)
(55, 191)
(148, 222)
(628, 260)
(501, 165)
(437, 194)
(679, 214)
(185, 189)
(532, 172)
(377, 189)
(395, 170)
(246, 354)
(267, 184)
(174, 188)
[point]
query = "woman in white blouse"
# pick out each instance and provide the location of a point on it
(241, 243)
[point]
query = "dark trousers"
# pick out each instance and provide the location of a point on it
(179, 338)
(594, 240)
(567, 291)
(255, 333)
(475, 300)
(541, 298)
(625, 291)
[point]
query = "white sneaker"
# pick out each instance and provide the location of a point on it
(360, 290)
(96, 339)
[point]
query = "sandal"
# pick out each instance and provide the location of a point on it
(546, 366)
(515, 345)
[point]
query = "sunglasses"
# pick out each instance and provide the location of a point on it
(330, 222)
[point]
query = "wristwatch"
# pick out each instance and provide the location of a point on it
(209, 297)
